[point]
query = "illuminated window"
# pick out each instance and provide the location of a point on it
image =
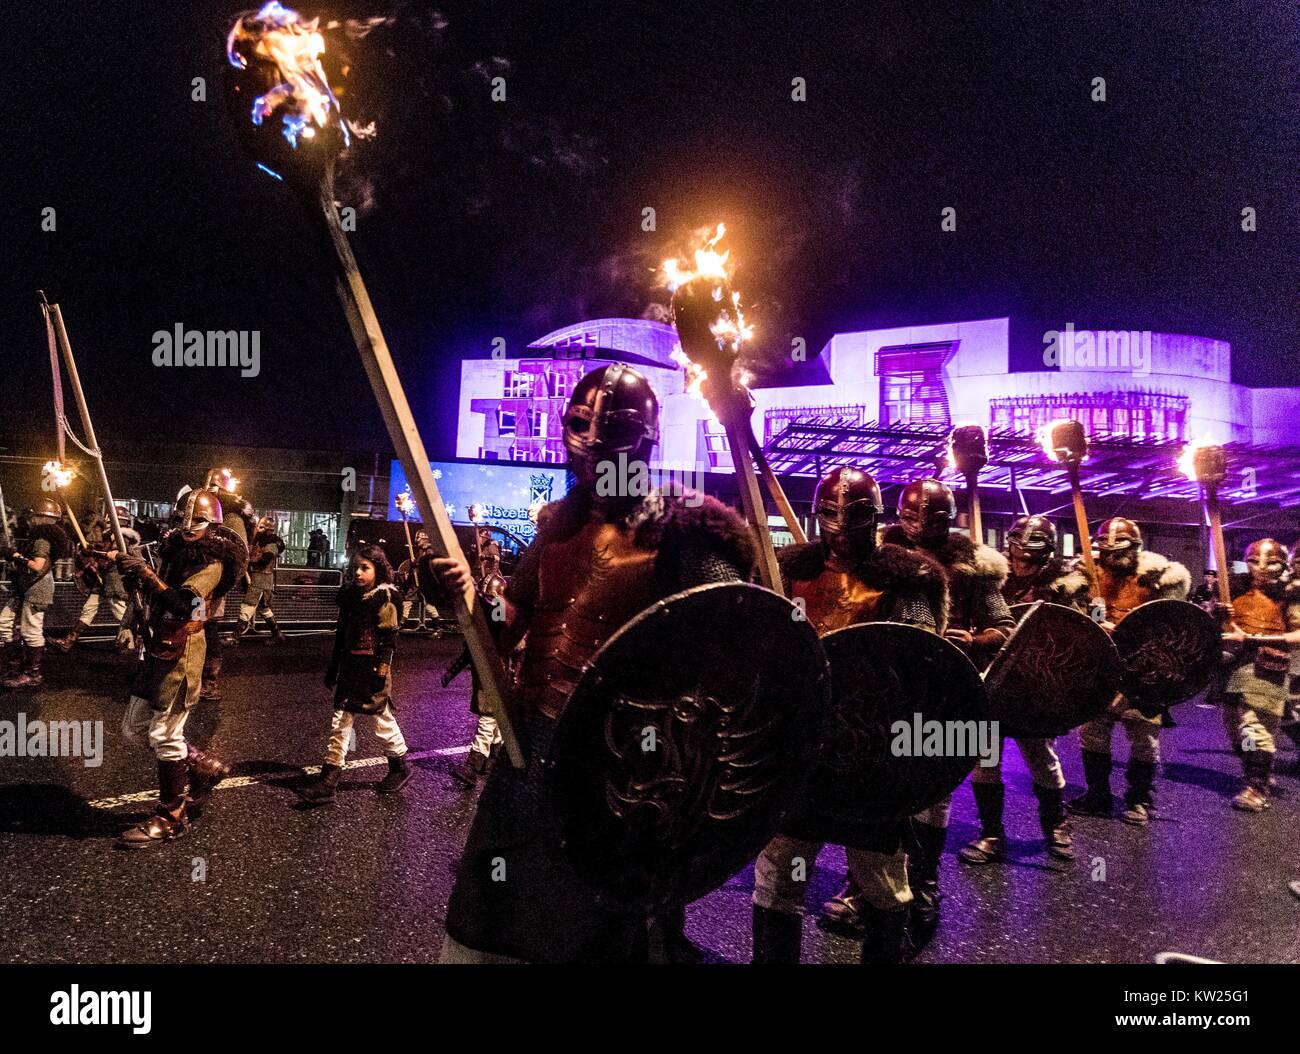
(505, 422)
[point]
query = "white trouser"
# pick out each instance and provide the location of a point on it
(163, 732)
(486, 736)
(117, 605)
(385, 729)
(31, 623)
(1040, 759)
(784, 869)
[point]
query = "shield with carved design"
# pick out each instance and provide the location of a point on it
(1169, 651)
(1057, 671)
(904, 729)
(686, 739)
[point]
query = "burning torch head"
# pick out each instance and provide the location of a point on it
(1119, 541)
(1210, 465)
(848, 507)
(708, 323)
(927, 510)
(1065, 441)
(1031, 543)
(222, 479)
(201, 509)
(1267, 560)
(613, 412)
(968, 450)
(279, 96)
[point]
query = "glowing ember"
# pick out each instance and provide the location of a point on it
(55, 475)
(1063, 441)
(226, 480)
(406, 503)
(1203, 462)
(709, 263)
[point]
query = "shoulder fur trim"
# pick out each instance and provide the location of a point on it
(1168, 578)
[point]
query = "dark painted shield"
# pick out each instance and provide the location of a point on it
(688, 736)
(889, 683)
(1058, 671)
(1169, 651)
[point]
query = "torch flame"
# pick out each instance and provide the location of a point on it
(405, 502)
(475, 513)
(709, 263)
(281, 36)
(1047, 442)
(1198, 468)
(57, 474)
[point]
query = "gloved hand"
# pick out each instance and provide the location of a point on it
(129, 564)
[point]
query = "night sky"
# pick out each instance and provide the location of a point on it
(482, 219)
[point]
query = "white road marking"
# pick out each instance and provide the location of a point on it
(234, 782)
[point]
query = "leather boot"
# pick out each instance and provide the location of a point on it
(1254, 796)
(987, 848)
(469, 770)
(1054, 822)
(205, 773)
(1139, 800)
(169, 822)
(1097, 800)
(276, 636)
(63, 645)
(211, 689)
(244, 628)
(777, 936)
(321, 792)
(841, 914)
(399, 775)
(886, 940)
(924, 851)
(30, 675)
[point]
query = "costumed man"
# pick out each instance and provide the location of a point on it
(237, 515)
(1291, 720)
(263, 555)
(599, 560)
(199, 561)
(103, 579)
(31, 593)
(1255, 693)
(979, 623)
(1037, 573)
(1129, 575)
(841, 580)
(487, 737)
(409, 580)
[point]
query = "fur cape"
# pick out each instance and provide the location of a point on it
(60, 543)
(1166, 579)
(258, 558)
(890, 568)
(960, 557)
(1063, 581)
(179, 559)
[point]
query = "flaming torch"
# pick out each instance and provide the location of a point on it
(968, 452)
(1207, 464)
(406, 506)
(1065, 443)
(712, 329)
(291, 124)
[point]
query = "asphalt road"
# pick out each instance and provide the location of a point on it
(260, 879)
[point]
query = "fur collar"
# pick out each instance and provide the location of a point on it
(1168, 579)
(959, 555)
(890, 568)
(375, 598)
(218, 543)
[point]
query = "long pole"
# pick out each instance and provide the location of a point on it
(1216, 539)
(973, 507)
(1081, 522)
(86, 422)
(410, 549)
(396, 411)
(775, 489)
(4, 521)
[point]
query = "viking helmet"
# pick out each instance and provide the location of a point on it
(926, 510)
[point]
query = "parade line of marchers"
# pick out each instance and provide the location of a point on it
(672, 698)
